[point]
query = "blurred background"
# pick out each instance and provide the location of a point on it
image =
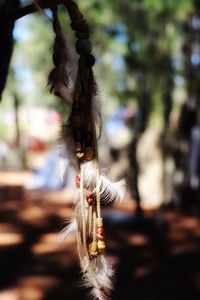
(148, 71)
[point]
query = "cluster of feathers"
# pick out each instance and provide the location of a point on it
(62, 81)
(98, 277)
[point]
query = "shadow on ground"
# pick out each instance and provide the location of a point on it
(156, 256)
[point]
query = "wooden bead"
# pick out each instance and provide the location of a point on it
(83, 46)
(82, 35)
(80, 26)
(78, 181)
(79, 150)
(93, 249)
(93, 246)
(89, 60)
(88, 154)
(90, 198)
(101, 246)
(79, 154)
(76, 121)
(99, 222)
(101, 231)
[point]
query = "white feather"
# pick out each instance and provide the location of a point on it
(109, 191)
(97, 273)
(70, 229)
(62, 161)
(99, 279)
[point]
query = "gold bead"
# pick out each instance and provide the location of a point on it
(101, 246)
(93, 249)
(93, 246)
(99, 222)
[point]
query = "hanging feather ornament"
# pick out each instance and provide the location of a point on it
(80, 139)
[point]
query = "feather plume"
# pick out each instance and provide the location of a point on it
(69, 229)
(97, 273)
(99, 279)
(72, 79)
(109, 191)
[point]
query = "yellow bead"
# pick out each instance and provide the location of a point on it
(99, 222)
(93, 249)
(93, 246)
(101, 246)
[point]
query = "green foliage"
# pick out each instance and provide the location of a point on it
(135, 44)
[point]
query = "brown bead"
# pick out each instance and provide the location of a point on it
(89, 154)
(82, 35)
(76, 121)
(83, 46)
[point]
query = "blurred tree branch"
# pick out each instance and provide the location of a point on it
(6, 39)
(10, 11)
(29, 9)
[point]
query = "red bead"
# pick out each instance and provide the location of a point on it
(78, 181)
(90, 198)
(101, 231)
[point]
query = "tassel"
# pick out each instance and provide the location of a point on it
(79, 136)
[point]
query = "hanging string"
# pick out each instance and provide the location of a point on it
(59, 74)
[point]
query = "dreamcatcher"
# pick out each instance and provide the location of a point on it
(72, 80)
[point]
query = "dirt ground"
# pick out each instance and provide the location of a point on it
(156, 256)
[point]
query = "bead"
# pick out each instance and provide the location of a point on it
(79, 150)
(93, 246)
(99, 222)
(80, 25)
(76, 120)
(101, 231)
(89, 60)
(90, 198)
(89, 153)
(83, 46)
(101, 246)
(78, 181)
(82, 35)
(79, 154)
(93, 249)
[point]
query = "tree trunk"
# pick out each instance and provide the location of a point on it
(6, 39)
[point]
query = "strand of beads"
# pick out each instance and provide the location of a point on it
(85, 85)
(101, 245)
